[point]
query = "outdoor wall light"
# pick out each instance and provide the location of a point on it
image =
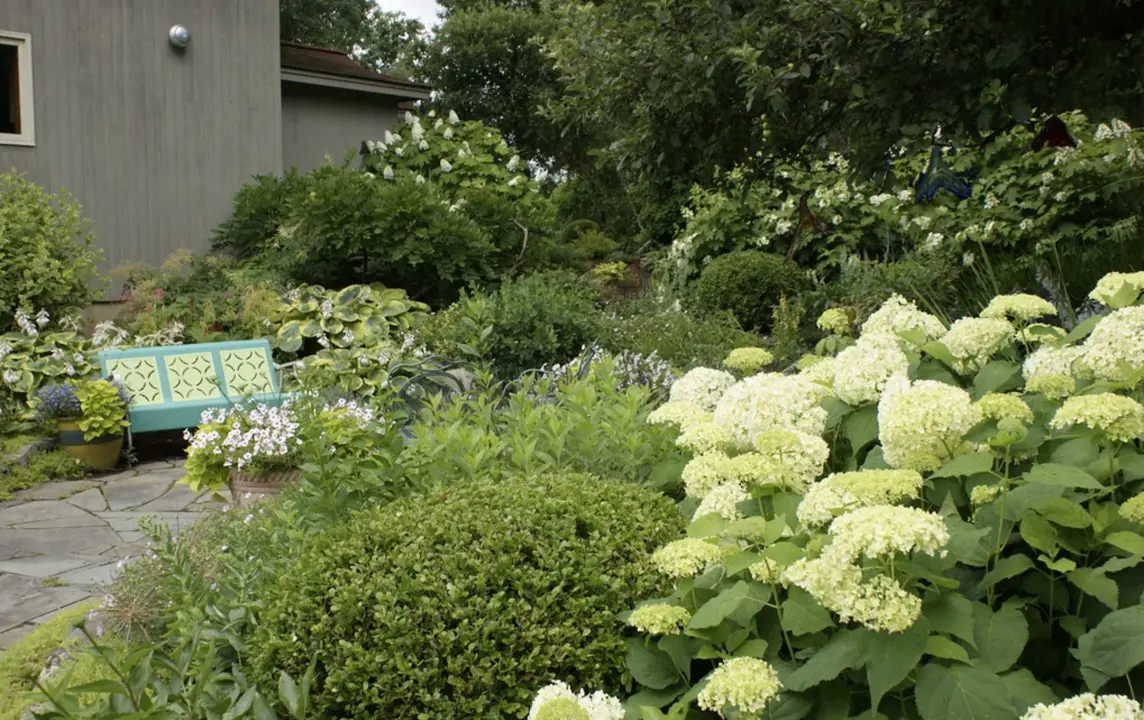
(179, 36)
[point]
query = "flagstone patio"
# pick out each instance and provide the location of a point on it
(60, 543)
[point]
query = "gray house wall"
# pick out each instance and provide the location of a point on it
(319, 121)
(152, 141)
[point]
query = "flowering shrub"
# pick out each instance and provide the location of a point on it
(1025, 207)
(936, 523)
(428, 607)
(628, 368)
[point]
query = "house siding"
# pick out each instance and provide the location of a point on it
(318, 121)
(152, 141)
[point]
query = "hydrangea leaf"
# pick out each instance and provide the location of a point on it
(965, 465)
(891, 656)
(1126, 541)
(651, 667)
(1001, 637)
(1097, 584)
(719, 608)
(952, 614)
(861, 427)
(1063, 512)
(997, 376)
(1005, 568)
(1039, 533)
(802, 614)
(962, 693)
(942, 647)
(1062, 476)
(1026, 691)
(1113, 647)
(845, 650)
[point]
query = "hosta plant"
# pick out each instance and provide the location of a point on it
(356, 316)
(38, 353)
(937, 523)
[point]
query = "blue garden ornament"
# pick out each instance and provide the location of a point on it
(939, 176)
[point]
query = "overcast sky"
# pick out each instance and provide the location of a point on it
(423, 10)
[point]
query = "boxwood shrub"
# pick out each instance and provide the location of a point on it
(748, 284)
(463, 603)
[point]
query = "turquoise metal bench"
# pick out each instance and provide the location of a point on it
(171, 386)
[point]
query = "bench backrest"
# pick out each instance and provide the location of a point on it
(179, 381)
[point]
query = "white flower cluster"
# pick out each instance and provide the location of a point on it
(702, 387)
(861, 370)
(659, 619)
(1021, 306)
(973, 341)
(898, 315)
(1120, 418)
(1087, 707)
(877, 602)
(746, 684)
(1118, 290)
(847, 491)
(557, 701)
(265, 433)
(686, 558)
(885, 530)
(723, 500)
(1115, 350)
(922, 425)
(771, 401)
(1050, 370)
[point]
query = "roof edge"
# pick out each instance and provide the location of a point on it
(401, 89)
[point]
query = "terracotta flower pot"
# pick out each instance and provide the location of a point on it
(245, 486)
(102, 453)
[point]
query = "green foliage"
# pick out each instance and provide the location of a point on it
(544, 428)
(104, 409)
(22, 661)
(198, 299)
(748, 284)
(684, 339)
(535, 320)
(387, 41)
(356, 316)
(260, 208)
(43, 467)
(47, 258)
(530, 568)
(50, 355)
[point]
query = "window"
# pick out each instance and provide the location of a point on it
(16, 123)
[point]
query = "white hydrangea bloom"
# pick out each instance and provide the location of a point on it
(703, 473)
(973, 341)
(746, 684)
(923, 425)
(884, 530)
(1118, 290)
(705, 437)
(1115, 349)
(898, 315)
(513, 163)
(846, 491)
(1087, 707)
(453, 119)
(1019, 306)
(702, 387)
(723, 500)
(820, 372)
(387, 172)
(1052, 370)
(446, 166)
(795, 458)
(861, 370)
(554, 702)
(834, 320)
(1120, 418)
(679, 414)
(1000, 406)
(878, 602)
(686, 558)
(659, 619)
(772, 401)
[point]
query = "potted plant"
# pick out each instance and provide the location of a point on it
(90, 417)
(256, 451)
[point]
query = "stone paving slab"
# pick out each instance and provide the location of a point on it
(74, 535)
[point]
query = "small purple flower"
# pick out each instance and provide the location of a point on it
(58, 402)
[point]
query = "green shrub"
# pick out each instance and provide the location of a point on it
(684, 339)
(463, 603)
(46, 255)
(259, 210)
(748, 284)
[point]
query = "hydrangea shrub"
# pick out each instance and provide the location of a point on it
(937, 522)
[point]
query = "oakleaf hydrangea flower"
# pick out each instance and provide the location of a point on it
(686, 558)
(923, 425)
(660, 619)
(446, 166)
(748, 360)
(999, 406)
(1118, 290)
(898, 315)
(861, 370)
(723, 500)
(1050, 371)
(1020, 306)
(1087, 707)
(702, 386)
(834, 320)
(972, 341)
(744, 683)
(885, 530)
(772, 401)
(1115, 349)
(846, 491)
(1120, 418)
(705, 437)
(1133, 509)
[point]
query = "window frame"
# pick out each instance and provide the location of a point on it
(23, 44)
